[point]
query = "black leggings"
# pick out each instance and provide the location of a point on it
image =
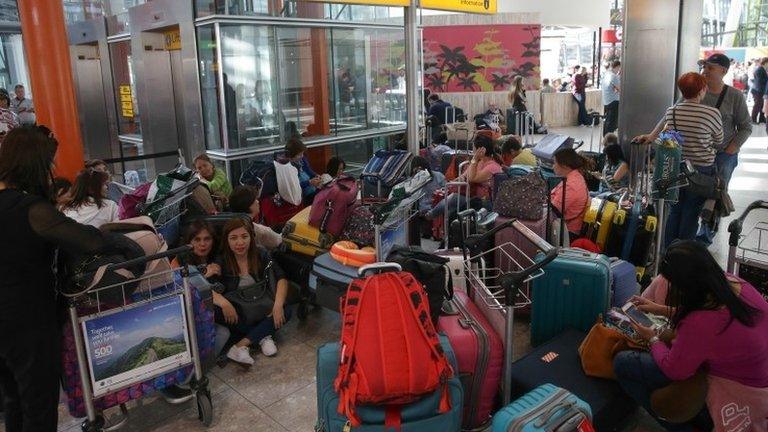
(30, 365)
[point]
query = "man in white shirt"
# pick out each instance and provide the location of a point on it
(611, 94)
(23, 106)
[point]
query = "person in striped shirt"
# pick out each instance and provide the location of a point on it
(701, 127)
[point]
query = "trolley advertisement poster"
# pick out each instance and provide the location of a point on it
(137, 343)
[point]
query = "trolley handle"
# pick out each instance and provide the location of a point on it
(512, 279)
(473, 241)
(736, 225)
(379, 266)
(182, 250)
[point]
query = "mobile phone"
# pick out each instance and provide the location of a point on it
(636, 315)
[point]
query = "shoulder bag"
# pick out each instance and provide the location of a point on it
(254, 302)
(700, 184)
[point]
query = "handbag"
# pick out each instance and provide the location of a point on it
(254, 302)
(288, 184)
(600, 346)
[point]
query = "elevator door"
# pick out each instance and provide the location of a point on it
(161, 104)
(95, 124)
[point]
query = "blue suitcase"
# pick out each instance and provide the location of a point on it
(387, 166)
(329, 280)
(545, 408)
(546, 148)
(573, 291)
(624, 282)
(419, 416)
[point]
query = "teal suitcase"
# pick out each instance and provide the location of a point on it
(543, 409)
(573, 291)
(420, 416)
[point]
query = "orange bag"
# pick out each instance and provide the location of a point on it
(600, 346)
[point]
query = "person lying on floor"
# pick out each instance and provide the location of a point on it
(485, 163)
(720, 326)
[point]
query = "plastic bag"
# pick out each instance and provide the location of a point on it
(288, 182)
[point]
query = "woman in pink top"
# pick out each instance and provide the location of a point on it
(485, 163)
(720, 325)
(571, 165)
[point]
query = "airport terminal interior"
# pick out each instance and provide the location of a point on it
(240, 162)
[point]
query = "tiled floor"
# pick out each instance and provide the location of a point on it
(278, 394)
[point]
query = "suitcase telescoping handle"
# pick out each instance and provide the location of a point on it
(378, 267)
(182, 250)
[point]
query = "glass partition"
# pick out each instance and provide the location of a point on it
(250, 87)
(209, 86)
(117, 10)
(300, 9)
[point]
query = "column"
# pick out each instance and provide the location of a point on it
(47, 54)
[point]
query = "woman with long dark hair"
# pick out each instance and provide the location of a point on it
(572, 166)
(32, 229)
(89, 204)
(721, 327)
(243, 265)
(517, 98)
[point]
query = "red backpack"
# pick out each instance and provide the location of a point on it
(390, 352)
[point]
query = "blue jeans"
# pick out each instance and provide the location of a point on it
(583, 117)
(726, 164)
(639, 376)
(266, 327)
(683, 220)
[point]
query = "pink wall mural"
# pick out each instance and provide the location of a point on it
(481, 57)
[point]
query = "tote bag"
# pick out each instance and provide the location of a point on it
(288, 182)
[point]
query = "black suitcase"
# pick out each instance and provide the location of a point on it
(557, 362)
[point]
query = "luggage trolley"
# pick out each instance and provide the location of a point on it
(166, 212)
(172, 347)
(748, 254)
(502, 291)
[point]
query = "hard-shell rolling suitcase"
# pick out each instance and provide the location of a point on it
(545, 408)
(329, 280)
(557, 362)
(420, 416)
(480, 358)
(573, 291)
(301, 237)
(633, 232)
(546, 148)
(513, 236)
(624, 283)
(598, 220)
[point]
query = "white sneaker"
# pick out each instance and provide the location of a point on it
(268, 347)
(240, 355)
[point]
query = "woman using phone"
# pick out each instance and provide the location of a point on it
(720, 325)
(245, 265)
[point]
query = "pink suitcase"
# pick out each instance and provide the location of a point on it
(480, 356)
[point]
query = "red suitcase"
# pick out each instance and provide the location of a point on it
(480, 356)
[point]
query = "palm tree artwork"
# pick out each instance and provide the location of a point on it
(480, 58)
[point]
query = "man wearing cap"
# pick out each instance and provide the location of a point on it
(737, 124)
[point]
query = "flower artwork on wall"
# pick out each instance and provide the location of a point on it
(481, 58)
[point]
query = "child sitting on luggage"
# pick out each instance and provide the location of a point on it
(720, 326)
(247, 266)
(216, 179)
(571, 165)
(485, 163)
(89, 204)
(245, 199)
(513, 153)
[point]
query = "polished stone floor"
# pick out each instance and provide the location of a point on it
(278, 394)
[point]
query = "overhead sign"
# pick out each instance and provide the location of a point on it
(126, 101)
(469, 6)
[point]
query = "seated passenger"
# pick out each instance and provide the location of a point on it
(485, 163)
(89, 204)
(245, 265)
(615, 173)
(245, 199)
(62, 192)
(214, 178)
(308, 179)
(720, 326)
(333, 170)
(570, 165)
(200, 236)
(513, 153)
(114, 192)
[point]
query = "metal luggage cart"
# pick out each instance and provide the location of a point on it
(502, 291)
(167, 211)
(392, 227)
(748, 253)
(99, 329)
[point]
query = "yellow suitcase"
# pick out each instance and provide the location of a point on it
(598, 220)
(300, 237)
